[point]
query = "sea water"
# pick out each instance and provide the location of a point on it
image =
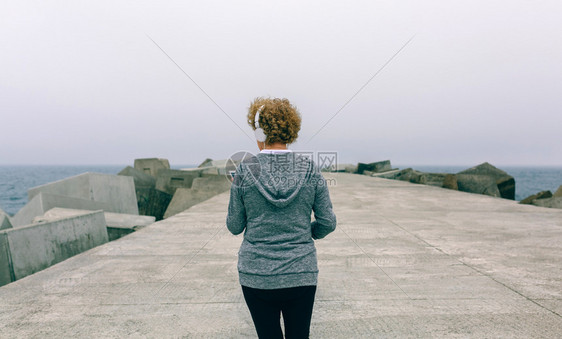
(16, 180)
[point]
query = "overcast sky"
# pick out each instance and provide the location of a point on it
(82, 83)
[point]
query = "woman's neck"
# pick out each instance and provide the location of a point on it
(276, 145)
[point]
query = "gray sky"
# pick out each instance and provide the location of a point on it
(81, 83)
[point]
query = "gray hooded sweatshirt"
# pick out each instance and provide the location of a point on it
(271, 200)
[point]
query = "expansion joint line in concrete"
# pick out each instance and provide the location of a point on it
(219, 228)
(374, 262)
(471, 267)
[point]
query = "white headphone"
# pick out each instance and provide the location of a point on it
(260, 135)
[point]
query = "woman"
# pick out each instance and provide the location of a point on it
(272, 197)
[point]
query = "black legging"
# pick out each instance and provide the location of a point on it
(295, 303)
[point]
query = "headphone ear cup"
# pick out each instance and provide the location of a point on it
(260, 135)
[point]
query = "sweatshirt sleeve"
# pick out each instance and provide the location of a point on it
(236, 218)
(325, 219)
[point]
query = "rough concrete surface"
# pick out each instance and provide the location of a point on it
(184, 198)
(169, 180)
(406, 261)
(153, 202)
(5, 222)
(140, 178)
(111, 219)
(118, 224)
(151, 166)
(35, 247)
(6, 275)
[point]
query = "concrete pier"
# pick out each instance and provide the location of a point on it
(406, 261)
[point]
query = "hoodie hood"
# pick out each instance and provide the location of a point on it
(279, 177)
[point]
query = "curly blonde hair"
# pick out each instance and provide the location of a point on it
(280, 121)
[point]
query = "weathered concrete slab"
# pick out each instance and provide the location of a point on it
(540, 195)
(151, 166)
(170, 180)
(406, 261)
(43, 202)
(487, 179)
(111, 219)
(118, 224)
(215, 166)
(35, 247)
(343, 167)
(116, 190)
(6, 274)
(202, 189)
(153, 202)
(387, 175)
(554, 202)
(205, 170)
(214, 183)
(185, 198)
(375, 167)
(140, 178)
(558, 193)
(5, 222)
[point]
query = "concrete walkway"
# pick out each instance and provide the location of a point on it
(406, 261)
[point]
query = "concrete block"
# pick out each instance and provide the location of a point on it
(153, 202)
(151, 166)
(206, 162)
(185, 198)
(558, 192)
(541, 195)
(445, 180)
(5, 222)
(117, 190)
(35, 247)
(118, 224)
(407, 174)
(387, 175)
(351, 169)
(128, 220)
(205, 170)
(554, 202)
(477, 180)
(450, 182)
(6, 274)
(43, 202)
(213, 183)
(480, 184)
(215, 166)
(342, 167)
(169, 180)
(141, 179)
(202, 189)
(376, 167)
(111, 219)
